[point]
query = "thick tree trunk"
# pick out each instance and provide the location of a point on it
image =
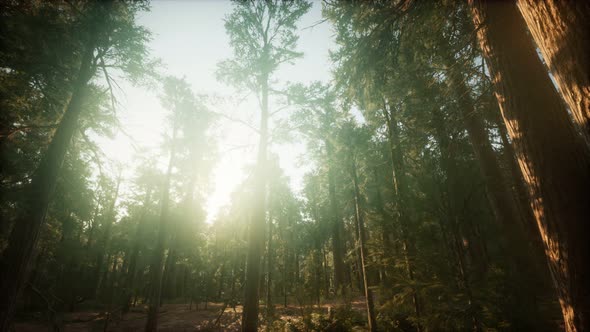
(503, 202)
(371, 318)
(158, 259)
(24, 236)
(336, 227)
(257, 229)
(518, 184)
(561, 29)
(553, 157)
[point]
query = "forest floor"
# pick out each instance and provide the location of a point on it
(178, 317)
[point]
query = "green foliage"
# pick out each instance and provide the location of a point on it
(262, 36)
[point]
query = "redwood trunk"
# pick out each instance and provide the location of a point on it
(561, 29)
(554, 159)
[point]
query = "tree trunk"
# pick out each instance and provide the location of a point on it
(106, 239)
(257, 229)
(169, 274)
(269, 265)
(336, 226)
(130, 280)
(561, 29)
(158, 259)
(502, 200)
(499, 194)
(400, 197)
(385, 223)
(372, 322)
(553, 157)
(24, 236)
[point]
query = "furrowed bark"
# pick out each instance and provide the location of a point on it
(561, 29)
(553, 157)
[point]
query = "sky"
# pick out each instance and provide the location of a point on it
(190, 39)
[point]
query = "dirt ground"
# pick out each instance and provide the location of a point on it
(172, 318)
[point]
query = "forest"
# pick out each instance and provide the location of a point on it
(294, 165)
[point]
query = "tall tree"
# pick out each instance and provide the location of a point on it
(355, 138)
(179, 99)
(102, 27)
(318, 118)
(263, 37)
(554, 166)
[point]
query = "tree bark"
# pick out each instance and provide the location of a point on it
(561, 29)
(25, 234)
(553, 157)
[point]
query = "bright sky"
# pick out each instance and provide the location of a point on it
(190, 39)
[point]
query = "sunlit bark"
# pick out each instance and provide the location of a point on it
(554, 159)
(561, 29)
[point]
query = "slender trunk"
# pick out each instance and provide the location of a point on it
(357, 254)
(400, 193)
(553, 157)
(158, 259)
(25, 234)
(451, 218)
(499, 194)
(561, 29)
(106, 238)
(386, 218)
(256, 231)
(326, 274)
(130, 280)
(169, 274)
(269, 305)
(336, 226)
(463, 273)
(372, 322)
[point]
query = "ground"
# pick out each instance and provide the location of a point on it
(178, 317)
